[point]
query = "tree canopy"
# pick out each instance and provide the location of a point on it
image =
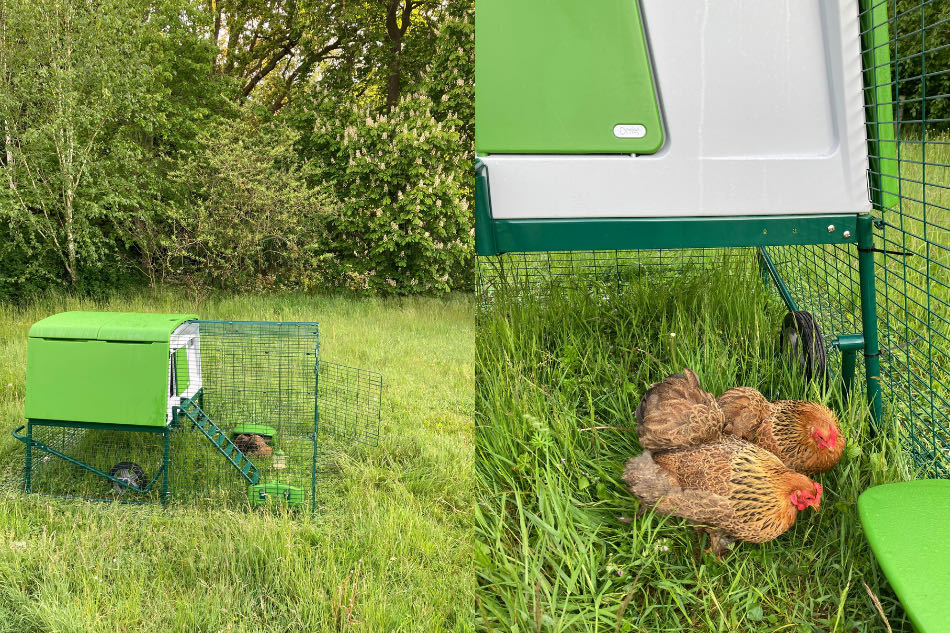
(234, 143)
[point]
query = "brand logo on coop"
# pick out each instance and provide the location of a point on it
(627, 130)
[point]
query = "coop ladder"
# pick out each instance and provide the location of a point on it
(220, 440)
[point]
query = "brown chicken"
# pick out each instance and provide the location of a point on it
(253, 445)
(732, 488)
(804, 435)
(677, 412)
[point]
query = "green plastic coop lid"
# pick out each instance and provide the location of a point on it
(254, 429)
(908, 527)
(109, 326)
(564, 77)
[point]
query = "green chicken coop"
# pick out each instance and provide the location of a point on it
(143, 407)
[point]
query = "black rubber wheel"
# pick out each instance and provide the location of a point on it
(129, 472)
(802, 340)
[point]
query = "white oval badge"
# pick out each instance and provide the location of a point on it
(629, 131)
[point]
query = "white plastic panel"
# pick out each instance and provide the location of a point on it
(764, 112)
(185, 336)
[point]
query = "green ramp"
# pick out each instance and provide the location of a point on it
(908, 527)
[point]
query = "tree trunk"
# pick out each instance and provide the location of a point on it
(70, 236)
(394, 81)
(396, 29)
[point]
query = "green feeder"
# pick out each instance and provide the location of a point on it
(274, 493)
(267, 432)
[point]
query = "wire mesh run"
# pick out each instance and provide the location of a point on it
(259, 388)
(907, 90)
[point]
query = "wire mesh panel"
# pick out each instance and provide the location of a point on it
(537, 273)
(259, 388)
(349, 402)
(133, 457)
(907, 89)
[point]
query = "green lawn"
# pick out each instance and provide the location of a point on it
(558, 544)
(390, 551)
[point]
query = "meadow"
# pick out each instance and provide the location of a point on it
(559, 546)
(390, 548)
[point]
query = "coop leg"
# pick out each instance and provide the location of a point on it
(769, 268)
(872, 353)
(27, 469)
(167, 441)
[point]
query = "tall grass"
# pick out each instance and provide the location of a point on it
(389, 551)
(558, 544)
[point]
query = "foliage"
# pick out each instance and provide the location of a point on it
(140, 138)
(450, 75)
(402, 223)
(922, 61)
(76, 78)
(247, 219)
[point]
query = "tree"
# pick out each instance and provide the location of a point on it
(273, 45)
(249, 219)
(74, 74)
(385, 57)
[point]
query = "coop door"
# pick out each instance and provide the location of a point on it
(348, 403)
(563, 77)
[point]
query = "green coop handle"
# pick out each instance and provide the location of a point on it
(22, 438)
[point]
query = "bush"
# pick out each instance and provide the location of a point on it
(249, 220)
(402, 222)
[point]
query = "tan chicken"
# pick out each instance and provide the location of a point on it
(733, 489)
(677, 412)
(804, 435)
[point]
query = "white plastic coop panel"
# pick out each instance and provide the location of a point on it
(185, 336)
(763, 107)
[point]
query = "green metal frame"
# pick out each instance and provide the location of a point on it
(494, 237)
(31, 444)
(849, 344)
(670, 233)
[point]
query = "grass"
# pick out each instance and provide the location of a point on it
(390, 551)
(558, 545)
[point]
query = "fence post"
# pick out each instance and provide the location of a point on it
(28, 467)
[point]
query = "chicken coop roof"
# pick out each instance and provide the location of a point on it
(109, 326)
